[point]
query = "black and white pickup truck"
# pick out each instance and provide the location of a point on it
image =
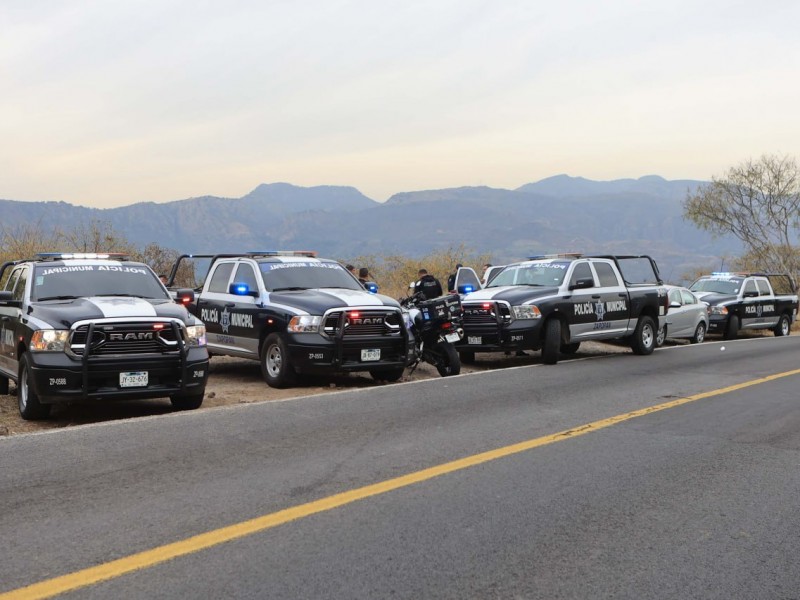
(81, 326)
(554, 303)
(738, 301)
(296, 313)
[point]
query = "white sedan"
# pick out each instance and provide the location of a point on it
(687, 317)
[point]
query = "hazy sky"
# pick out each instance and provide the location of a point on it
(111, 102)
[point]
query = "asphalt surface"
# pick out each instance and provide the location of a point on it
(695, 501)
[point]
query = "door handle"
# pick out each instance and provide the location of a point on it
(230, 304)
(596, 296)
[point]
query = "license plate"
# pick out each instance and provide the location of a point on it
(474, 339)
(133, 379)
(452, 338)
(371, 354)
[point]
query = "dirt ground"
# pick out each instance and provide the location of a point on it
(238, 381)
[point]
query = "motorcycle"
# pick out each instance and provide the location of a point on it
(436, 326)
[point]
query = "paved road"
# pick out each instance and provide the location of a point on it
(698, 500)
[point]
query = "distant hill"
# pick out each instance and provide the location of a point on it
(556, 214)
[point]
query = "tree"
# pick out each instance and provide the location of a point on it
(757, 202)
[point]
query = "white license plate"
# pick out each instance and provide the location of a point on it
(474, 339)
(452, 337)
(133, 379)
(371, 354)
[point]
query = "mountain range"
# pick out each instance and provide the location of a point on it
(557, 214)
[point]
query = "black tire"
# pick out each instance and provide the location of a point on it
(643, 341)
(275, 366)
(187, 401)
(699, 334)
(390, 375)
(732, 330)
(447, 359)
(30, 408)
(661, 336)
(467, 356)
(570, 348)
(783, 327)
(3, 385)
(552, 342)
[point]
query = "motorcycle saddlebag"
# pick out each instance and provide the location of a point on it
(444, 308)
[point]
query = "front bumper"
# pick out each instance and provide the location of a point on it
(717, 323)
(521, 334)
(56, 377)
(314, 353)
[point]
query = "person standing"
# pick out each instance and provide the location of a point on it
(363, 276)
(428, 286)
(451, 279)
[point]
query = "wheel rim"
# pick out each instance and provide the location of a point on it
(274, 360)
(785, 326)
(647, 336)
(701, 333)
(662, 335)
(23, 390)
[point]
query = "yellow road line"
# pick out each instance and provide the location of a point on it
(149, 558)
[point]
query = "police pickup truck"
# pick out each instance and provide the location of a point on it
(555, 302)
(296, 313)
(738, 301)
(80, 326)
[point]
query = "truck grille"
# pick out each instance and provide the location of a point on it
(359, 322)
(486, 313)
(125, 338)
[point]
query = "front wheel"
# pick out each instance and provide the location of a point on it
(186, 401)
(661, 336)
(699, 334)
(552, 342)
(447, 360)
(783, 327)
(732, 330)
(275, 366)
(30, 408)
(643, 341)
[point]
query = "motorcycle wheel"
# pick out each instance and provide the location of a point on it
(447, 360)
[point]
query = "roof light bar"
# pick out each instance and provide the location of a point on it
(82, 255)
(559, 255)
(309, 253)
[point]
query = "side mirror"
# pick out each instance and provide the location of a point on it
(582, 284)
(184, 296)
(242, 289)
(7, 299)
(675, 304)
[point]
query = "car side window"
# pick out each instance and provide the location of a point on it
(12, 280)
(675, 296)
(220, 278)
(606, 275)
(19, 288)
(750, 287)
(763, 287)
(581, 271)
(246, 275)
(688, 297)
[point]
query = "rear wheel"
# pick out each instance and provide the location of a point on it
(783, 327)
(467, 356)
(186, 401)
(699, 334)
(29, 406)
(387, 374)
(447, 360)
(643, 341)
(552, 342)
(275, 366)
(732, 330)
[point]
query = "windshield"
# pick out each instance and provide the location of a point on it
(532, 273)
(306, 275)
(717, 286)
(53, 282)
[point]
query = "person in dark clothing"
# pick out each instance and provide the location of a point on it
(428, 285)
(451, 279)
(363, 276)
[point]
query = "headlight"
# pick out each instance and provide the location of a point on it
(305, 324)
(196, 335)
(526, 311)
(49, 340)
(718, 310)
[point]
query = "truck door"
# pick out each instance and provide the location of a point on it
(613, 302)
(585, 316)
(211, 304)
(769, 311)
(751, 305)
(9, 320)
(243, 308)
(467, 279)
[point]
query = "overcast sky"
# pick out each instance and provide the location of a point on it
(106, 103)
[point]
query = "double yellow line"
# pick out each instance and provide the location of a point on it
(150, 558)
